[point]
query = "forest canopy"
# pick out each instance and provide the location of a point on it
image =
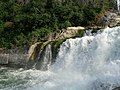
(23, 22)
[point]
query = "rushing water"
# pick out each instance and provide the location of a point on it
(118, 4)
(87, 63)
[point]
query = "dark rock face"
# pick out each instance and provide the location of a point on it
(117, 88)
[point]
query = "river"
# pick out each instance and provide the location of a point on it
(87, 63)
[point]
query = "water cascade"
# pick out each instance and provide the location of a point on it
(118, 5)
(45, 59)
(87, 63)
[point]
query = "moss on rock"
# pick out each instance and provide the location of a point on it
(80, 33)
(55, 47)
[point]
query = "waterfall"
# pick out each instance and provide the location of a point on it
(87, 63)
(118, 4)
(47, 58)
(44, 59)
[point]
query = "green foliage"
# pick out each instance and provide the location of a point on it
(80, 33)
(36, 19)
(40, 33)
(55, 47)
(1, 26)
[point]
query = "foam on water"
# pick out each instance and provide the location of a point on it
(87, 63)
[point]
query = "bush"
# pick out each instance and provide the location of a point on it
(34, 20)
(1, 26)
(40, 33)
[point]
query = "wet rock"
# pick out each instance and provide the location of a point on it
(33, 51)
(117, 88)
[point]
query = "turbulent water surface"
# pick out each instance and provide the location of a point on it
(87, 63)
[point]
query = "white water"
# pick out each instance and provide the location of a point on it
(47, 58)
(87, 63)
(118, 4)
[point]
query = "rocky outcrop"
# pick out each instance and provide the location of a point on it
(41, 55)
(39, 47)
(34, 49)
(37, 51)
(55, 37)
(67, 33)
(13, 60)
(109, 19)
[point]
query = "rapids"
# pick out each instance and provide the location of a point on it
(87, 63)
